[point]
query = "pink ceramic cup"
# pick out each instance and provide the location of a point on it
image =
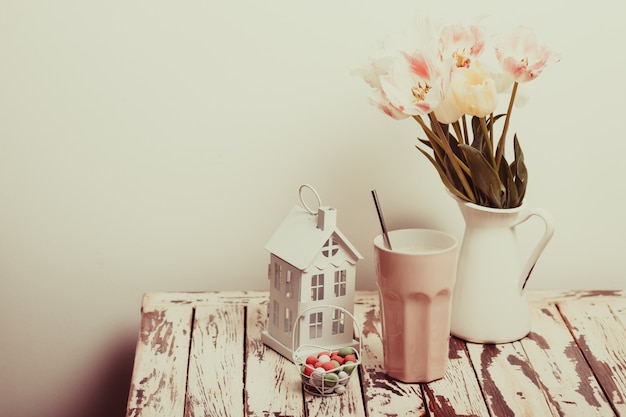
(415, 282)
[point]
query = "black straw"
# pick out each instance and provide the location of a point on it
(382, 220)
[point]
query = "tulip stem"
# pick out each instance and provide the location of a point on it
(491, 127)
(438, 141)
(488, 140)
(459, 133)
(466, 134)
(436, 144)
(453, 158)
(500, 150)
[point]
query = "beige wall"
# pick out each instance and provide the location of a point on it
(155, 146)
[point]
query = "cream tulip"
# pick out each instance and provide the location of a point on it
(448, 111)
(474, 91)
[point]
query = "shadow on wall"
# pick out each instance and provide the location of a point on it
(107, 394)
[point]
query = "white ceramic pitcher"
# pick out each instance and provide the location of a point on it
(489, 303)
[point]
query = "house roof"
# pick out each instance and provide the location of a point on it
(298, 240)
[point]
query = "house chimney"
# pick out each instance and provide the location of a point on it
(326, 217)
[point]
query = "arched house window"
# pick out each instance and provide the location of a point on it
(331, 247)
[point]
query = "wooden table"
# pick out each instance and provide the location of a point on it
(200, 354)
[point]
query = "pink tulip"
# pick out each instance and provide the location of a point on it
(416, 83)
(380, 67)
(378, 99)
(522, 55)
(461, 43)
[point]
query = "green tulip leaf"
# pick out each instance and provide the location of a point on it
(479, 138)
(518, 167)
(507, 177)
(485, 179)
(425, 142)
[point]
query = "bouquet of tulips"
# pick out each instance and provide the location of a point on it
(449, 79)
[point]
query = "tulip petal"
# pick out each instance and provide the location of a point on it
(522, 55)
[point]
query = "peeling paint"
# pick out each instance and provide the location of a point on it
(546, 311)
(455, 347)
(595, 367)
(181, 301)
(539, 340)
(527, 370)
(156, 331)
(572, 352)
(369, 327)
(603, 373)
(602, 293)
(212, 330)
(498, 403)
(380, 380)
(440, 406)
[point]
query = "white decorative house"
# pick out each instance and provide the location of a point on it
(311, 264)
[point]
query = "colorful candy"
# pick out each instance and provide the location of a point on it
(328, 372)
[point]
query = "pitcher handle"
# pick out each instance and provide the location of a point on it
(541, 245)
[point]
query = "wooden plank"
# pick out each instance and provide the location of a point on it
(618, 307)
(244, 297)
(548, 296)
(215, 378)
(509, 384)
(458, 393)
(601, 338)
(366, 297)
(203, 298)
(383, 395)
(273, 384)
(160, 369)
(545, 374)
(562, 371)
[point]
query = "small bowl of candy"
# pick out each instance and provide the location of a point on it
(326, 371)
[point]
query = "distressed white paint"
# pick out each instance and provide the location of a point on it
(273, 385)
(160, 370)
(603, 341)
(379, 390)
(540, 375)
(561, 369)
(509, 387)
(459, 390)
(215, 376)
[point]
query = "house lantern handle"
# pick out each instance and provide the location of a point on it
(295, 349)
(319, 200)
